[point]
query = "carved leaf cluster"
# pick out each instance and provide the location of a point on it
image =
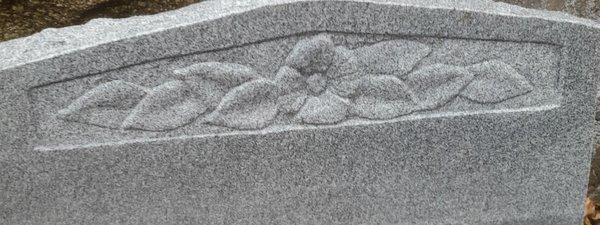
(319, 83)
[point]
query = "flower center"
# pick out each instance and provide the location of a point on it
(317, 83)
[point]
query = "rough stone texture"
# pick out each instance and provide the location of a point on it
(582, 8)
(518, 159)
(390, 57)
(22, 18)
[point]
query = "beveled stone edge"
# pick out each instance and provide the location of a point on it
(21, 51)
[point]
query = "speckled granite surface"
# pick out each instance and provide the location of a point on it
(23, 18)
(319, 112)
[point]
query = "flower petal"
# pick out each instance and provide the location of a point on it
(168, 106)
(252, 105)
(494, 82)
(383, 97)
(438, 84)
(345, 63)
(311, 55)
(290, 80)
(316, 83)
(328, 108)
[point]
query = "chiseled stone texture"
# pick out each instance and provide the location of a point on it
(301, 112)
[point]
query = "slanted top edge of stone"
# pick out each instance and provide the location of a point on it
(53, 42)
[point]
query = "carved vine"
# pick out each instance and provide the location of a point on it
(320, 83)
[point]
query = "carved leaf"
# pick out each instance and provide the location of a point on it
(252, 105)
(166, 107)
(438, 84)
(383, 97)
(290, 80)
(328, 108)
(311, 55)
(494, 82)
(396, 57)
(344, 73)
(211, 80)
(106, 105)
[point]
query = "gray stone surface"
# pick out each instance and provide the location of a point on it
(301, 112)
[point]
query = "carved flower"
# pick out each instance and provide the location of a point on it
(302, 93)
(324, 84)
(307, 81)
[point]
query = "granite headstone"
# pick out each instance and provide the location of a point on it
(301, 112)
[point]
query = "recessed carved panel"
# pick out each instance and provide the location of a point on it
(316, 80)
